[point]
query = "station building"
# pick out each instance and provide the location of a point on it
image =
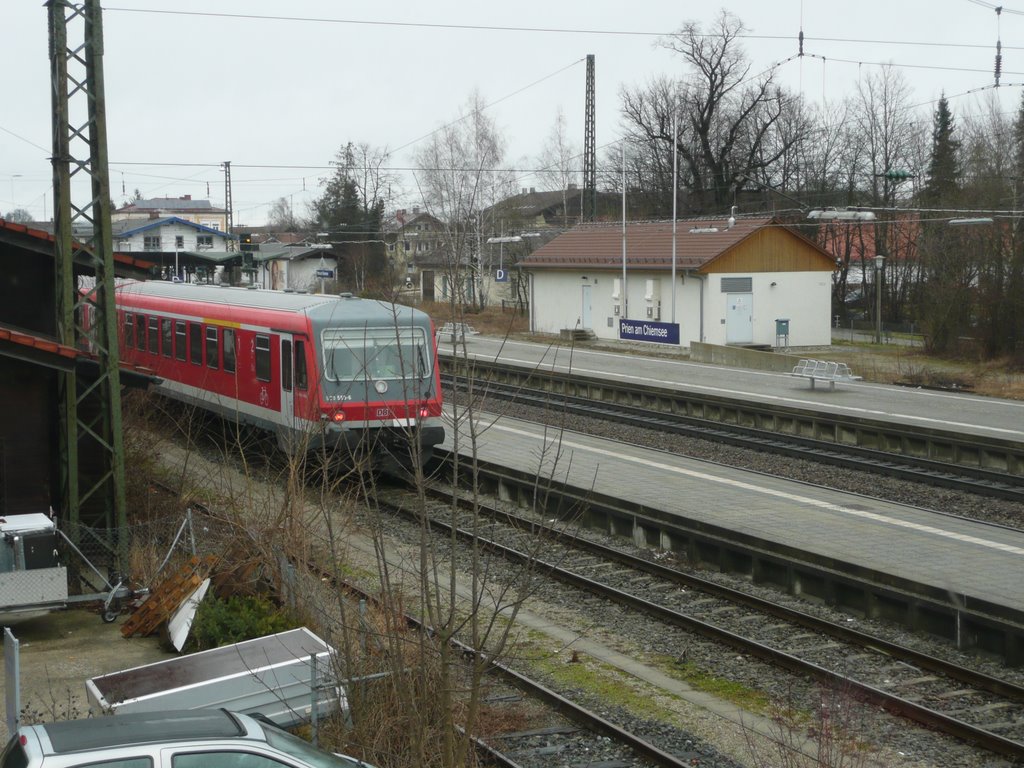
(740, 282)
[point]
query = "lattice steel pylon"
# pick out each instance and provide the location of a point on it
(589, 149)
(228, 203)
(92, 448)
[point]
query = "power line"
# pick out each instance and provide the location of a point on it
(536, 30)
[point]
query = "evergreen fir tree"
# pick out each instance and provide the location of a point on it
(944, 169)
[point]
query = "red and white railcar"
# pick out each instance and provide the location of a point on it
(313, 369)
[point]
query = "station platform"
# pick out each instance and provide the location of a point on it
(961, 413)
(962, 564)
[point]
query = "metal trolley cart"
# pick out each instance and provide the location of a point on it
(32, 579)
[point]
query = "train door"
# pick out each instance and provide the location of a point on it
(296, 403)
(287, 380)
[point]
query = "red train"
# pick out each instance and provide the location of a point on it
(315, 370)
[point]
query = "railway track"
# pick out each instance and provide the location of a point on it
(934, 692)
(959, 477)
(557, 725)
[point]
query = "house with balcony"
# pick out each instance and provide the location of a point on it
(168, 235)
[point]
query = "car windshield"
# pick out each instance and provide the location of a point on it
(354, 354)
(307, 753)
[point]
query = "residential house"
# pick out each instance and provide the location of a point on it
(414, 239)
(199, 212)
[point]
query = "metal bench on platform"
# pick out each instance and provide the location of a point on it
(455, 331)
(823, 370)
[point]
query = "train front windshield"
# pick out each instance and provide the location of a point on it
(358, 354)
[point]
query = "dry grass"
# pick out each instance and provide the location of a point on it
(911, 365)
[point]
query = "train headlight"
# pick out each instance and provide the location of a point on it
(424, 411)
(338, 416)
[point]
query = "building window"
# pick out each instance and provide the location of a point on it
(179, 241)
(286, 365)
(391, 247)
(263, 358)
(167, 331)
(195, 343)
(179, 337)
(151, 242)
(212, 352)
(204, 241)
(407, 245)
(301, 378)
(229, 350)
(140, 332)
(154, 335)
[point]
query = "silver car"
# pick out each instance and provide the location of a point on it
(197, 738)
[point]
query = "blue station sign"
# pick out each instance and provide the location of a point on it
(648, 330)
(325, 274)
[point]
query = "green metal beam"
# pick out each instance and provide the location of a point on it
(93, 492)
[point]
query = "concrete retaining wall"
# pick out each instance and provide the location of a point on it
(738, 357)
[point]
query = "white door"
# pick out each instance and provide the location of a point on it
(585, 312)
(739, 318)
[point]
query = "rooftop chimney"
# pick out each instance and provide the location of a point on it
(186, 197)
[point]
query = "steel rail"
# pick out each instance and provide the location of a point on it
(936, 473)
(892, 703)
(965, 675)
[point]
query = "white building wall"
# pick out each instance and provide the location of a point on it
(802, 297)
(168, 235)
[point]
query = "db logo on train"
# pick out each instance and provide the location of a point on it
(383, 413)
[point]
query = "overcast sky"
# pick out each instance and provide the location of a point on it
(288, 91)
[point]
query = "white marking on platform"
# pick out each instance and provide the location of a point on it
(741, 485)
(763, 396)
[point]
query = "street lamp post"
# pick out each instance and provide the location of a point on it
(879, 263)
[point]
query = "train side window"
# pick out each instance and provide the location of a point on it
(129, 329)
(228, 343)
(180, 340)
(286, 365)
(212, 351)
(195, 343)
(167, 331)
(140, 332)
(301, 379)
(154, 335)
(263, 358)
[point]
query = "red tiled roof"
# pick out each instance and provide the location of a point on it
(648, 244)
(41, 343)
(39, 234)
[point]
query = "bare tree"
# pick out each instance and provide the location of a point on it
(17, 216)
(459, 177)
(282, 216)
(729, 123)
(557, 159)
(889, 137)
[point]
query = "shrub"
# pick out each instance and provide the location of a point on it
(221, 622)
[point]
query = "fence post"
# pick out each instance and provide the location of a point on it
(12, 681)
